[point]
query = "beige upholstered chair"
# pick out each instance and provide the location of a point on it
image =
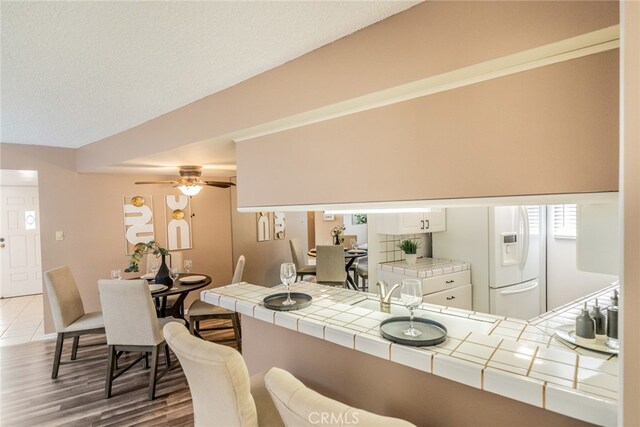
(300, 406)
(200, 310)
(131, 324)
(68, 313)
(330, 265)
(347, 240)
(297, 255)
(221, 390)
(362, 272)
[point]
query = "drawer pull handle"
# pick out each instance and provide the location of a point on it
(449, 281)
(450, 298)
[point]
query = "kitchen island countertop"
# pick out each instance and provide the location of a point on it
(514, 358)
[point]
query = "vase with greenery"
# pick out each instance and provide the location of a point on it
(139, 250)
(410, 249)
(336, 233)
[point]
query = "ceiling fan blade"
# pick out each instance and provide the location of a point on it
(219, 184)
(156, 182)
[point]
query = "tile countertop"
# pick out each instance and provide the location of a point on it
(514, 358)
(425, 267)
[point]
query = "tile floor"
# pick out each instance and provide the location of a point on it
(21, 320)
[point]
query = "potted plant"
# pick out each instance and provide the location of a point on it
(410, 248)
(336, 233)
(162, 277)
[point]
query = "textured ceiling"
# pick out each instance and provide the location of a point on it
(76, 72)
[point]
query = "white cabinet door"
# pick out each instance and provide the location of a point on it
(412, 223)
(459, 297)
(435, 220)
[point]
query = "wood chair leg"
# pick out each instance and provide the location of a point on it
(146, 361)
(111, 365)
(236, 330)
(74, 348)
(167, 356)
(57, 355)
(152, 373)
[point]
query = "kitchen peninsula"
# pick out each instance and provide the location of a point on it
(491, 370)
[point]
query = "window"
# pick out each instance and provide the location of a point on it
(564, 221)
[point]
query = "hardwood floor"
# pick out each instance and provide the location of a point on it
(29, 397)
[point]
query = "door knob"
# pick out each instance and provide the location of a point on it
(1, 245)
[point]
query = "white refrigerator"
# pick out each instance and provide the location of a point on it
(505, 246)
(514, 261)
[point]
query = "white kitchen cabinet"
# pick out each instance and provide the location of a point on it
(413, 223)
(452, 290)
(459, 297)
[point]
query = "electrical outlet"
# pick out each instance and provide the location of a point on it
(59, 235)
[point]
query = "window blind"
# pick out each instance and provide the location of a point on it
(534, 219)
(564, 221)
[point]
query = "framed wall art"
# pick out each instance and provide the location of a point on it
(138, 221)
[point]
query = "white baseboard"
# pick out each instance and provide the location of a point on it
(49, 337)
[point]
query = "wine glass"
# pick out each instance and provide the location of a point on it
(173, 274)
(288, 277)
(354, 244)
(187, 265)
(116, 274)
(411, 297)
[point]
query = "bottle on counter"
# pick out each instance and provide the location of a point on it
(585, 327)
(601, 323)
(612, 322)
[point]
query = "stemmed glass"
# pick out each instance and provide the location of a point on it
(187, 265)
(354, 244)
(411, 297)
(173, 274)
(288, 277)
(116, 274)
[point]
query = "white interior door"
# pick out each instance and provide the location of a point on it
(20, 241)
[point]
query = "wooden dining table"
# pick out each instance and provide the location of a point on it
(350, 256)
(182, 290)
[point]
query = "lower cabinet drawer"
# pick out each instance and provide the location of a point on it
(446, 281)
(459, 297)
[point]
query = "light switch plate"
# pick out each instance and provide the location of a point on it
(59, 235)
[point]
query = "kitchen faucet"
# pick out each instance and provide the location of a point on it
(385, 295)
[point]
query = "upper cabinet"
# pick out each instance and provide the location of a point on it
(413, 223)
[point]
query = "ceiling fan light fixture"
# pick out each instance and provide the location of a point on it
(190, 190)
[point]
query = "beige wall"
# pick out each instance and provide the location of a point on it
(88, 209)
(630, 177)
(263, 259)
(323, 228)
(428, 39)
(549, 130)
(384, 387)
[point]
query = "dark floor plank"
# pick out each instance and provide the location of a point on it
(29, 397)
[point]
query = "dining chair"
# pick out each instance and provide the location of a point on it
(302, 407)
(200, 310)
(330, 265)
(347, 240)
(222, 392)
(131, 325)
(69, 318)
(362, 272)
(297, 255)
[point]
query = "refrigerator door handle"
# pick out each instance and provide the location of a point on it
(519, 291)
(524, 254)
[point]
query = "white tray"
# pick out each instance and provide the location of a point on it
(568, 334)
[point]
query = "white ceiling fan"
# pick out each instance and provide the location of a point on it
(189, 182)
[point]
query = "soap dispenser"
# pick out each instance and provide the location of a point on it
(585, 327)
(612, 322)
(601, 323)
